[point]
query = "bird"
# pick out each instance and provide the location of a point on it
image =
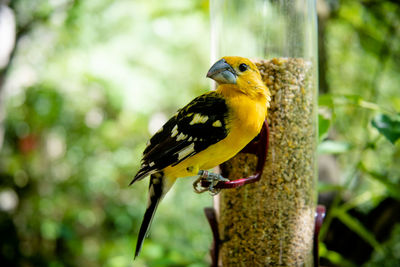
(208, 131)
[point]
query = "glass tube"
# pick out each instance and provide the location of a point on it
(271, 222)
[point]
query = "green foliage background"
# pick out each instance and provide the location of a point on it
(90, 81)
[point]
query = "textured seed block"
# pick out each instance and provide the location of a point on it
(271, 222)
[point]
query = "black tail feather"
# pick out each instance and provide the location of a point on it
(144, 228)
(156, 192)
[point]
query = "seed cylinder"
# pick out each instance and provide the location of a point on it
(271, 222)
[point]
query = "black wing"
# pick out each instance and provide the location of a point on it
(195, 127)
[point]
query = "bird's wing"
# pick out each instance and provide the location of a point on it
(195, 127)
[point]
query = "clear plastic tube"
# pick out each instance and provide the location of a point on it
(271, 222)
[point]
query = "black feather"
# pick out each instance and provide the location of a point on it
(156, 193)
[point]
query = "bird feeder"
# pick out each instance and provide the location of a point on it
(271, 222)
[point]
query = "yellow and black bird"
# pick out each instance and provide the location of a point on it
(208, 131)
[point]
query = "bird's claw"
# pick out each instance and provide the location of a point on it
(197, 186)
(213, 178)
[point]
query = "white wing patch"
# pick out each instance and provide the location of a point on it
(181, 136)
(184, 152)
(174, 131)
(198, 118)
(217, 123)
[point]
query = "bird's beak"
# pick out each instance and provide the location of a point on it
(222, 72)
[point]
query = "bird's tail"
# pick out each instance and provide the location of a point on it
(158, 187)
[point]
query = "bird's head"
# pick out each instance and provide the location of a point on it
(238, 73)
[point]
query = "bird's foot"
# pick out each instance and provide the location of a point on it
(213, 178)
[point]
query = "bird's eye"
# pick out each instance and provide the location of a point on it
(243, 67)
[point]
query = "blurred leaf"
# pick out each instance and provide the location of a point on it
(391, 257)
(330, 100)
(351, 99)
(325, 100)
(323, 127)
(396, 103)
(368, 42)
(333, 147)
(357, 201)
(356, 226)
(334, 256)
(392, 188)
(387, 126)
(327, 187)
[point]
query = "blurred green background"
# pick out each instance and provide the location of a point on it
(87, 82)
